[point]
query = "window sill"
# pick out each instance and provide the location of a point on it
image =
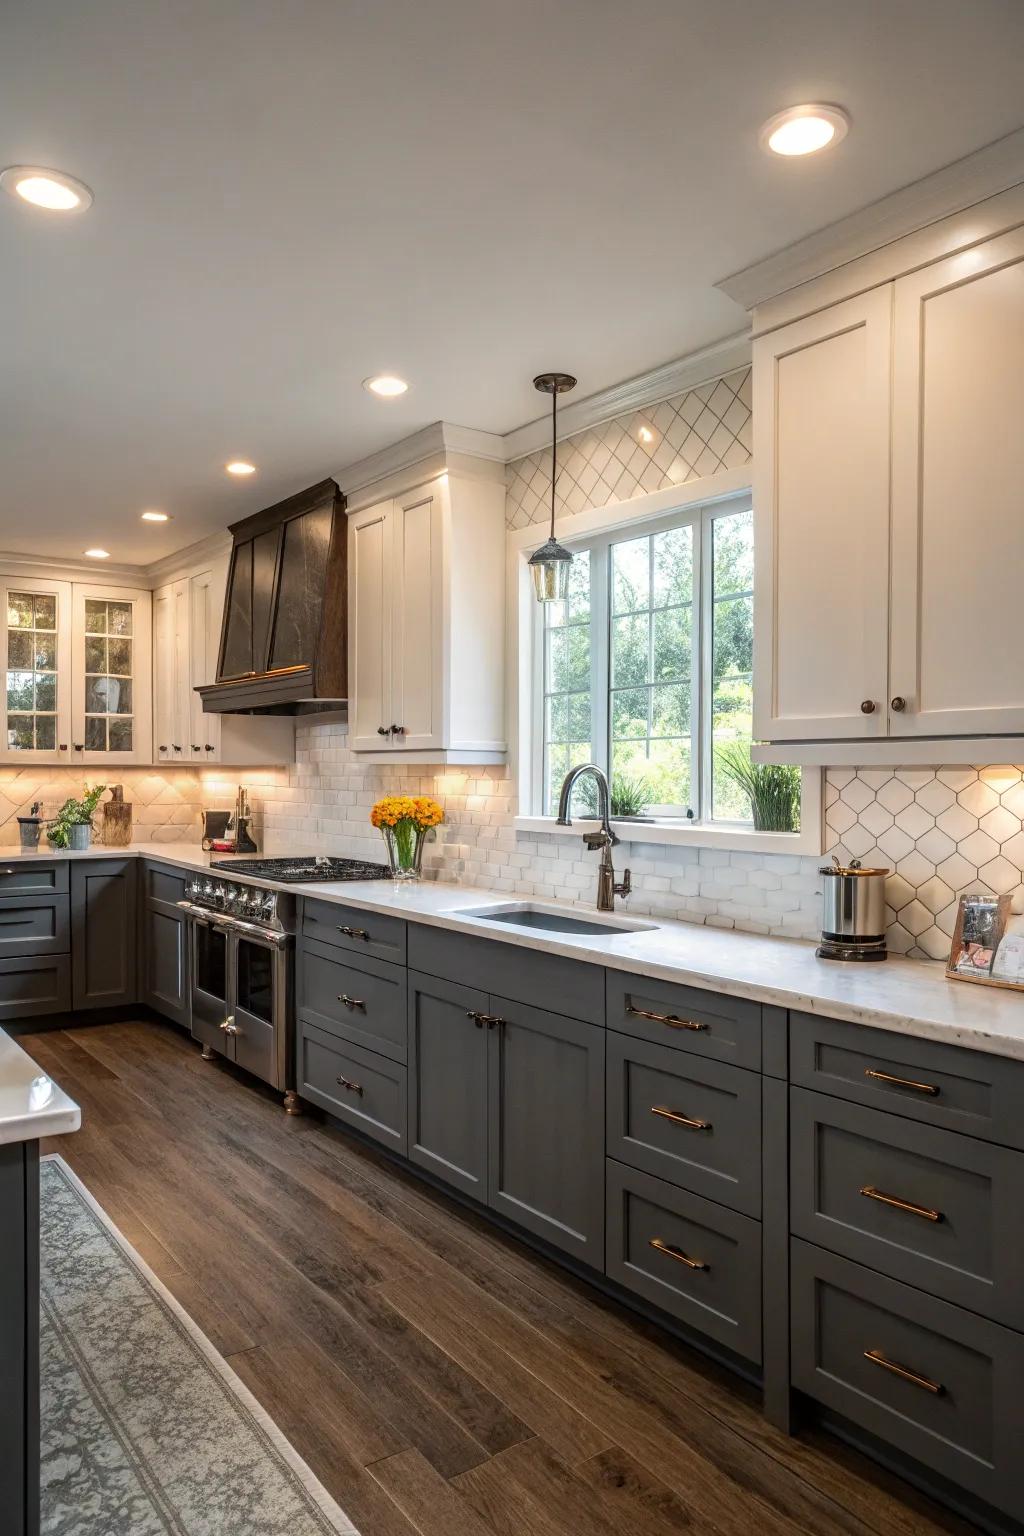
(737, 839)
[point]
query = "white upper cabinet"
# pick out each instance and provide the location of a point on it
(186, 632)
(888, 515)
(958, 494)
(426, 623)
(821, 455)
(110, 675)
(37, 670)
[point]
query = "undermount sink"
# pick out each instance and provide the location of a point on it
(527, 914)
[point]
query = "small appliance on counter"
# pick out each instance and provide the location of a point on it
(853, 919)
(228, 831)
(215, 828)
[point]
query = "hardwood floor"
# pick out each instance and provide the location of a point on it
(437, 1376)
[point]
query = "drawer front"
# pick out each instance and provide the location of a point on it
(35, 985)
(653, 1229)
(720, 1028)
(696, 1123)
(943, 1085)
(34, 926)
(360, 1087)
(970, 1429)
(364, 933)
(932, 1209)
(27, 878)
(160, 884)
(572, 988)
(364, 1003)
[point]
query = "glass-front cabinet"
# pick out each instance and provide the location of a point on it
(76, 673)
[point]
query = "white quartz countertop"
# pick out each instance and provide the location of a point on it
(31, 1104)
(908, 996)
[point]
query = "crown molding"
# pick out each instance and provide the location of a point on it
(645, 389)
(170, 566)
(425, 446)
(104, 573)
(983, 174)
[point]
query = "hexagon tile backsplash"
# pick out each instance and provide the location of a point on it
(941, 831)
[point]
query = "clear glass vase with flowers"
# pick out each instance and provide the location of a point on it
(405, 821)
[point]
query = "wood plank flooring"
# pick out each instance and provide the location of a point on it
(437, 1376)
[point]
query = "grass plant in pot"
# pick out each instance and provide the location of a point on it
(71, 828)
(773, 789)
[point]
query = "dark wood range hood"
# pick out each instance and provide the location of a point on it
(283, 637)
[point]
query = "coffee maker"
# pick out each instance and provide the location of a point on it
(228, 831)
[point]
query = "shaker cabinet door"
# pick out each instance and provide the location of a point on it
(821, 499)
(418, 681)
(546, 1126)
(103, 928)
(111, 714)
(371, 595)
(958, 467)
(448, 1082)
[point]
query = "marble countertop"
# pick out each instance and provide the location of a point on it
(908, 996)
(31, 1104)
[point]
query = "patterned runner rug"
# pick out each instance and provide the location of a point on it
(146, 1431)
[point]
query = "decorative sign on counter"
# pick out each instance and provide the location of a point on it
(988, 943)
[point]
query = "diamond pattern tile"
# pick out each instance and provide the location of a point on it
(692, 435)
(942, 831)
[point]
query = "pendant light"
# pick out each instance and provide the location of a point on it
(550, 564)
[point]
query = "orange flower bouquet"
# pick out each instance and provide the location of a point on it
(405, 821)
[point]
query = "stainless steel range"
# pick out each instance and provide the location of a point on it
(242, 941)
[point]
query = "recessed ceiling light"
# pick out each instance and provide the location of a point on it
(47, 189)
(240, 467)
(804, 130)
(156, 517)
(386, 385)
(97, 554)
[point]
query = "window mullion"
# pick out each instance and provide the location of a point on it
(600, 657)
(703, 691)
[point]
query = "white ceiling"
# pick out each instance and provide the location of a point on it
(291, 197)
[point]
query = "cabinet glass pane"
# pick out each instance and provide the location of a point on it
(237, 658)
(109, 684)
(31, 675)
(300, 596)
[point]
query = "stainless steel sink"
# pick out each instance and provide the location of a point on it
(529, 914)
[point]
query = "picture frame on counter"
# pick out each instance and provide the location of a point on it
(988, 943)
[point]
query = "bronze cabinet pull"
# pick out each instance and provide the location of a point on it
(353, 933)
(671, 1019)
(678, 1119)
(677, 1254)
(924, 1211)
(925, 1382)
(346, 1082)
(901, 1082)
(351, 1002)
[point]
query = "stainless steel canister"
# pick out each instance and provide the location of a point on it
(853, 910)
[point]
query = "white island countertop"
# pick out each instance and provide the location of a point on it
(912, 997)
(31, 1104)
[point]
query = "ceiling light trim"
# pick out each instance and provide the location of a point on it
(13, 175)
(835, 117)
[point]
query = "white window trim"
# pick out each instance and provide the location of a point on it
(524, 667)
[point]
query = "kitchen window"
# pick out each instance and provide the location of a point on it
(646, 668)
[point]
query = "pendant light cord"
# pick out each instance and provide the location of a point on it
(554, 454)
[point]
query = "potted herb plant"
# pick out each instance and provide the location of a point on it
(773, 789)
(71, 828)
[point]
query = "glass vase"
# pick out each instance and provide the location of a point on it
(405, 849)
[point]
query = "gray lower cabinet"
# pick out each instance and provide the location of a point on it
(354, 996)
(34, 986)
(932, 1380)
(103, 932)
(688, 1018)
(163, 946)
(448, 1044)
(19, 1339)
(362, 1088)
(33, 925)
(690, 1257)
(545, 1123)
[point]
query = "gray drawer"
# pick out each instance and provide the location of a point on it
(34, 925)
(27, 878)
(943, 1085)
(363, 1002)
(970, 1430)
(573, 988)
(653, 1229)
(696, 1123)
(364, 933)
(161, 884)
(359, 1087)
(951, 1221)
(706, 1023)
(35, 985)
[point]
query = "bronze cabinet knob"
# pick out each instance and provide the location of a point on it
(382, 730)
(867, 707)
(898, 704)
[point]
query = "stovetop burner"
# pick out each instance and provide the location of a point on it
(311, 868)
